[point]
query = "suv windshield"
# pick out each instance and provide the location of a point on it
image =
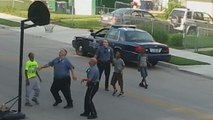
(138, 36)
(177, 13)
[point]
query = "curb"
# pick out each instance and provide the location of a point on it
(176, 67)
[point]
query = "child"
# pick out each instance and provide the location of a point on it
(142, 68)
(119, 65)
(31, 82)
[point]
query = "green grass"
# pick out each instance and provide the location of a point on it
(9, 23)
(209, 53)
(183, 61)
(79, 23)
(198, 42)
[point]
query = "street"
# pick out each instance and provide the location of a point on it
(172, 94)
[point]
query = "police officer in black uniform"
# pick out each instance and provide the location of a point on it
(104, 55)
(93, 85)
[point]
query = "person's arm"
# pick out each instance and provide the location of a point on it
(89, 78)
(44, 66)
(139, 57)
(111, 54)
(86, 79)
(123, 65)
(97, 53)
(38, 76)
(73, 74)
(27, 80)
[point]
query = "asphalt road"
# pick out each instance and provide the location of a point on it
(172, 95)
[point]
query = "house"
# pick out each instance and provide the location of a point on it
(201, 5)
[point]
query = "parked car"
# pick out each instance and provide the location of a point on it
(127, 40)
(124, 16)
(185, 19)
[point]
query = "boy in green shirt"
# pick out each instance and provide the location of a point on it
(32, 84)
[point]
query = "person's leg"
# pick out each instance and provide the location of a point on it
(93, 91)
(55, 88)
(36, 89)
(100, 68)
(29, 90)
(145, 75)
(120, 82)
(107, 73)
(65, 89)
(113, 82)
(86, 102)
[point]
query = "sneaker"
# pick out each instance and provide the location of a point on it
(36, 101)
(28, 104)
(120, 94)
(114, 92)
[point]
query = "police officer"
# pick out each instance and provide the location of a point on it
(93, 85)
(62, 67)
(104, 55)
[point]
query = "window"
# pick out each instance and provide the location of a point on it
(189, 15)
(147, 15)
(102, 33)
(198, 16)
(113, 34)
(207, 18)
(133, 36)
(136, 14)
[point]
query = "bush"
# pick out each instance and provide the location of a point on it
(171, 6)
(176, 40)
(160, 36)
(158, 31)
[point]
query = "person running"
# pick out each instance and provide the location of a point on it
(32, 83)
(119, 65)
(61, 81)
(142, 68)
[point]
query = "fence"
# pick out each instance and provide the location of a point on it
(202, 39)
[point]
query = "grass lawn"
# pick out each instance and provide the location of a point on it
(198, 42)
(209, 53)
(9, 23)
(183, 61)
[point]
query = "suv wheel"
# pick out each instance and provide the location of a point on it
(192, 31)
(80, 51)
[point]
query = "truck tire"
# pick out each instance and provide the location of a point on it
(80, 50)
(192, 31)
(153, 63)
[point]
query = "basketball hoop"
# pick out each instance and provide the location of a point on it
(49, 28)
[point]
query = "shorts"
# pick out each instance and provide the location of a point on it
(117, 77)
(143, 71)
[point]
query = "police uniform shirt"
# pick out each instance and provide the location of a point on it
(61, 67)
(104, 54)
(93, 74)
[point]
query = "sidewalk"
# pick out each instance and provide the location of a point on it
(64, 34)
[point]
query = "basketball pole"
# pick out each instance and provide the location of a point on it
(21, 61)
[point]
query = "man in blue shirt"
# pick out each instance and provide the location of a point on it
(93, 85)
(104, 55)
(62, 80)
